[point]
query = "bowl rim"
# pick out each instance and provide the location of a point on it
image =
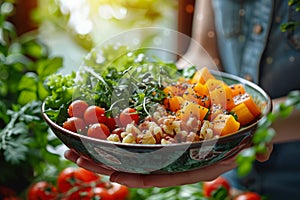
(267, 109)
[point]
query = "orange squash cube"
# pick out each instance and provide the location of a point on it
(215, 110)
(225, 124)
(212, 84)
(249, 102)
(244, 116)
(175, 90)
(237, 89)
(191, 95)
(201, 89)
(173, 103)
(222, 96)
(202, 76)
(191, 109)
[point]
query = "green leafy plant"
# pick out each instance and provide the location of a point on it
(265, 133)
(185, 192)
(291, 25)
(24, 137)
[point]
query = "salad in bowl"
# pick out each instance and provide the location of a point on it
(140, 114)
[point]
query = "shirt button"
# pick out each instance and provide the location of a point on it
(257, 29)
(248, 77)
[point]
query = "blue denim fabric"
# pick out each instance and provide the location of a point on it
(252, 45)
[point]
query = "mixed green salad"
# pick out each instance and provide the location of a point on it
(99, 82)
(147, 101)
(133, 80)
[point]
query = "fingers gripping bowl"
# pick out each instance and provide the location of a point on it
(213, 125)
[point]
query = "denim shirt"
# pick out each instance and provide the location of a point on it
(252, 45)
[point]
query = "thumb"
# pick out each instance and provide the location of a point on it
(262, 157)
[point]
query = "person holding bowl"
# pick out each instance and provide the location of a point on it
(243, 38)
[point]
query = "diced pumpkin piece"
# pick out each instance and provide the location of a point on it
(201, 89)
(244, 116)
(202, 76)
(173, 103)
(237, 89)
(191, 95)
(212, 84)
(191, 109)
(222, 96)
(225, 124)
(249, 102)
(215, 110)
(175, 90)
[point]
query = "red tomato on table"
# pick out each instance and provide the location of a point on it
(99, 193)
(248, 196)
(75, 183)
(70, 177)
(210, 186)
(42, 190)
(118, 191)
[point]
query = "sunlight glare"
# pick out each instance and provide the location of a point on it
(109, 12)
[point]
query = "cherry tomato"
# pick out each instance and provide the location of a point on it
(86, 176)
(80, 192)
(75, 124)
(129, 115)
(118, 191)
(112, 122)
(70, 177)
(77, 108)
(42, 190)
(7, 193)
(210, 186)
(94, 114)
(248, 196)
(99, 193)
(118, 131)
(99, 130)
(66, 179)
(75, 183)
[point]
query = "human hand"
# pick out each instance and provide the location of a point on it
(154, 180)
(161, 180)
